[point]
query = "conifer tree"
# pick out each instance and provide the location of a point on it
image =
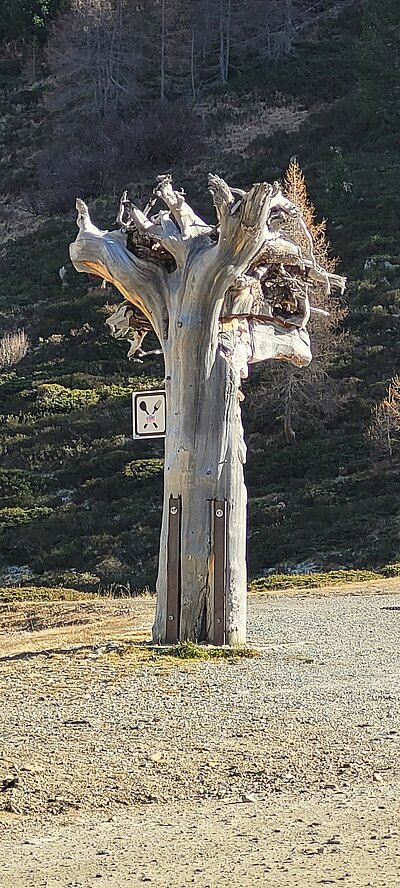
(379, 59)
(24, 18)
(309, 398)
(295, 187)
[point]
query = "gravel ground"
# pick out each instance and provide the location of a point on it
(310, 726)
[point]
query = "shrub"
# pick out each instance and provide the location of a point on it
(141, 470)
(37, 593)
(17, 483)
(13, 517)
(392, 569)
(127, 145)
(58, 399)
(313, 580)
(13, 347)
(83, 581)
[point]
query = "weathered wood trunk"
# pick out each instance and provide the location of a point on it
(204, 455)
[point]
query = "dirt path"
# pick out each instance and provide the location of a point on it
(301, 843)
(279, 771)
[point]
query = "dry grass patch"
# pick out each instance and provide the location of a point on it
(31, 627)
(242, 119)
(117, 631)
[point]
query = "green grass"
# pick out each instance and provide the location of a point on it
(188, 650)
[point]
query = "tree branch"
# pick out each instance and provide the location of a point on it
(242, 225)
(161, 228)
(222, 196)
(281, 203)
(105, 254)
(190, 225)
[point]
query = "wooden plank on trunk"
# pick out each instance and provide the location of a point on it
(220, 530)
(173, 570)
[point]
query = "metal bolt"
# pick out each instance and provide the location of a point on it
(219, 513)
(218, 619)
(174, 510)
(170, 617)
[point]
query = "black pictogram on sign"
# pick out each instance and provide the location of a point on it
(150, 413)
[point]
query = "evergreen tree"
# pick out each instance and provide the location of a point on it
(24, 18)
(379, 62)
(308, 398)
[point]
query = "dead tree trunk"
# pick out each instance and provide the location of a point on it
(204, 457)
(179, 272)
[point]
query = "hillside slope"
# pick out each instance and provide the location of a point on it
(80, 500)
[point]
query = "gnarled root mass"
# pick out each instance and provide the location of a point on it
(272, 298)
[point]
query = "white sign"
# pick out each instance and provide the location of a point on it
(148, 414)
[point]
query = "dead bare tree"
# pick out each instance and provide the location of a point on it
(90, 52)
(13, 348)
(384, 428)
(218, 297)
(288, 27)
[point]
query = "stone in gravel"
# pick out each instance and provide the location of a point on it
(32, 769)
(247, 797)
(155, 757)
(9, 782)
(377, 778)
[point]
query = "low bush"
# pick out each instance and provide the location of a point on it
(38, 593)
(313, 580)
(142, 470)
(55, 398)
(13, 517)
(17, 484)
